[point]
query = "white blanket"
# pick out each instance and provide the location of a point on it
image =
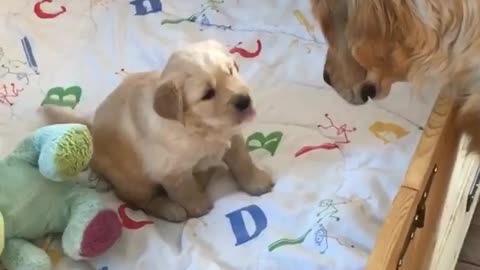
(337, 167)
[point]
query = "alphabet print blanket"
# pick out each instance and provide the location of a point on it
(337, 167)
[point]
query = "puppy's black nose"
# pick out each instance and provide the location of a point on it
(368, 91)
(242, 102)
(326, 78)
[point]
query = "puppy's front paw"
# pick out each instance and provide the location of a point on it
(199, 206)
(164, 208)
(259, 184)
(175, 213)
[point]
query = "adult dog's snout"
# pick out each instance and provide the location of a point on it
(368, 90)
(326, 78)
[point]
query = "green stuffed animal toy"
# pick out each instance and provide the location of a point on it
(38, 196)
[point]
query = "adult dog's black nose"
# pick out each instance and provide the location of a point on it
(368, 90)
(242, 102)
(326, 78)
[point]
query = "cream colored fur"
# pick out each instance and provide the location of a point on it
(162, 130)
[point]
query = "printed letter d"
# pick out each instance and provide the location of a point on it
(238, 224)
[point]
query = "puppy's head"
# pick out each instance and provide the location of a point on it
(370, 45)
(204, 87)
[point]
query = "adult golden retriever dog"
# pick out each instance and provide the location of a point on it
(374, 43)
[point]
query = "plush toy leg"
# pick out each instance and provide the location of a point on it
(91, 229)
(23, 255)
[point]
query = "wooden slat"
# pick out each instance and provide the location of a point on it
(421, 248)
(421, 164)
(393, 234)
(455, 219)
(471, 247)
(398, 222)
(466, 266)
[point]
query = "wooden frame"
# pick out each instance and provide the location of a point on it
(409, 234)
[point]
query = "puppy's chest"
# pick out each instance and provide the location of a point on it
(202, 154)
(201, 149)
(180, 155)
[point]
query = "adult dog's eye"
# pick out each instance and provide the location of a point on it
(209, 94)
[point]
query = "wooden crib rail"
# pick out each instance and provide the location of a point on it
(407, 238)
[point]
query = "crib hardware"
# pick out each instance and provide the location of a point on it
(473, 191)
(419, 219)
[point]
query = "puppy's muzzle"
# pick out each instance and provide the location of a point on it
(242, 102)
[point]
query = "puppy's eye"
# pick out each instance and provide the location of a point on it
(209, 94)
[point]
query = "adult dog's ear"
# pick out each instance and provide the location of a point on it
(332, 16)
(169, 102)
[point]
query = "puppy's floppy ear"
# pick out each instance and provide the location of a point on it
(169, 102)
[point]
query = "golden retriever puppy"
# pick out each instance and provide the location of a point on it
(374, 43)
(163, 130)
